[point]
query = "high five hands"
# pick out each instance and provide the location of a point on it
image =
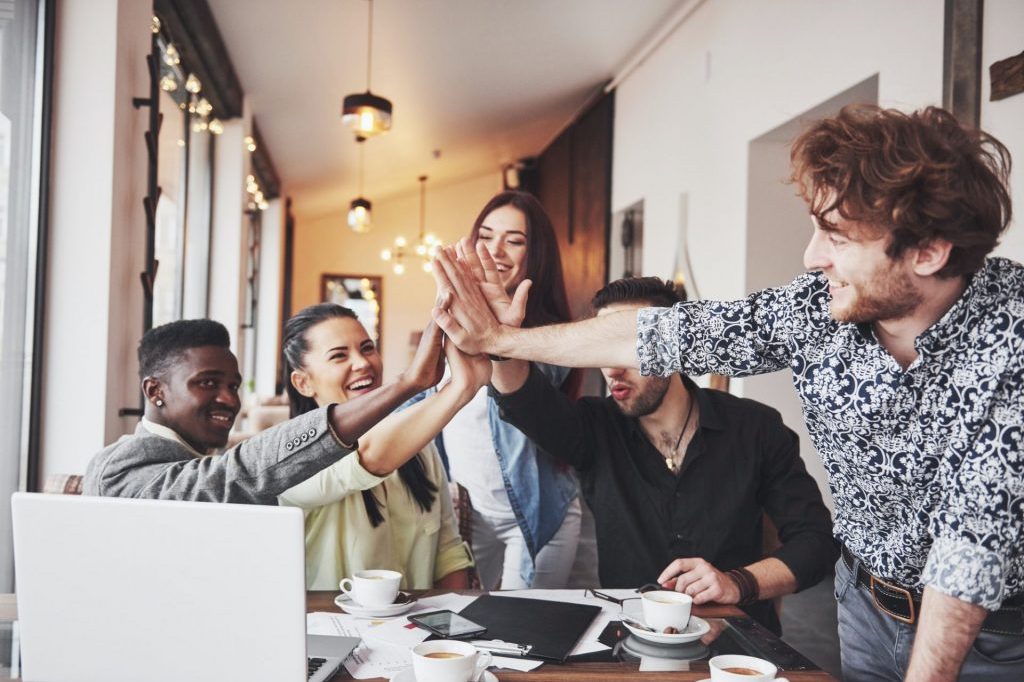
(472, 305)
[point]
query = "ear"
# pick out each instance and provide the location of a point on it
(302, 383)
(153, 389)
(931, 256)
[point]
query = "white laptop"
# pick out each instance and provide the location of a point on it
(114, 589)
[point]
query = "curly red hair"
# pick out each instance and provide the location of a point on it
(918, 177)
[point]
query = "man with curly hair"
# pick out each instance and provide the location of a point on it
(906, 344)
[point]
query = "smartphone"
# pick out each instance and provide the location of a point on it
(447, 624)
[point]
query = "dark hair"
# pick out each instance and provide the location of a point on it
(295, 346)
(660, 293)
(918, 176)
(548, 302)
(162, 346)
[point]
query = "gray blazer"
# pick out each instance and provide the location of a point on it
(146, 465)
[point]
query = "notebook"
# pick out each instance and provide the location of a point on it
(126, 590)
(551, 628)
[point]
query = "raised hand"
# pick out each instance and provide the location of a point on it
(509, 311)
(427, 366)
(699, 579)
(469, 372)
(462, 310)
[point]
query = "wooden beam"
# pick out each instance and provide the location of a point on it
(1007, 77)
(961, 72)
(263, 166)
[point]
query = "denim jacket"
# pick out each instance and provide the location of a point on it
(540, 489)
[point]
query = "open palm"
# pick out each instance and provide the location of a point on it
(508, 310)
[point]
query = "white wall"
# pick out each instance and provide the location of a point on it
(1002, 38)
(268, 343)
(324, 244)
(94, 299)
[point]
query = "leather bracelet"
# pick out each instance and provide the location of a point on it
(747, 584)
(497, 358)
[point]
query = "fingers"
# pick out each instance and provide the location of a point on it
(517, 308)
(487, 264)
(469, 257)
(676, 568)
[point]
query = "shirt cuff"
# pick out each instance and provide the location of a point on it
(452, 559)
(969, 572)
(657, 341)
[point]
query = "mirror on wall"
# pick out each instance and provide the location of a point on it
(361, 293)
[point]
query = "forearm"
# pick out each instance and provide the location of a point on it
(774, 579)
(456, 580)
(946, 629)
(606, 341)
(351, 419)
(398, 437)
(508, 376)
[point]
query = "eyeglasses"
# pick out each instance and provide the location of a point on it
(649, 587)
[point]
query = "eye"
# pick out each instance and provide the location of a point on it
(208, 383)
(516, 242)
(338, 357)
(484, 238)
(835, 239)
(234, 387)
(368, 348)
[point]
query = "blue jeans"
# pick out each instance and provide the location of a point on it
(874, 646)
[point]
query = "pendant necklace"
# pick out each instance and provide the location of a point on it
(670, 462)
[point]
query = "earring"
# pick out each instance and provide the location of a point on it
(159, 403)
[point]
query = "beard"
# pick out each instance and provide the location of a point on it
(647, 400)
(886, 295)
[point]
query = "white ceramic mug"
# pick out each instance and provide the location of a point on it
(763, 670)
(448, 660)
(666, 609)
(374, 588)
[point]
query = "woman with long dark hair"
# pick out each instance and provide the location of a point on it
(387, 504)
(526, 511)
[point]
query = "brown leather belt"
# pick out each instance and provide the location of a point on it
(905, 605)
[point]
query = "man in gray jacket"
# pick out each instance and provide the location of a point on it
(190, 380)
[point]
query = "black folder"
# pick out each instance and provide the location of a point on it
(552, 628)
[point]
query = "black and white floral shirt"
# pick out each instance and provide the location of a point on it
(926, 465)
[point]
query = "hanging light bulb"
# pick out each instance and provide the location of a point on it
(168, 84)
(192, 84)
(365, 113)
(216, 127)
(359, 218)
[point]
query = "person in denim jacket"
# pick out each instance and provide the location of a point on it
(526, 510)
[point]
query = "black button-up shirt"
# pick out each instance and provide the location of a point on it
(741, 463)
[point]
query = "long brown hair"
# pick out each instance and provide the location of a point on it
(918, 177)
(548, 302)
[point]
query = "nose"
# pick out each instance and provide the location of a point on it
(359, 361)
(228, 396)
(496, 247)
(816, 253)
(614, 372)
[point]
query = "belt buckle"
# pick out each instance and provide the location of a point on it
(873, 581)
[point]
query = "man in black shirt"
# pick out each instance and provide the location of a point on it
(679, 477)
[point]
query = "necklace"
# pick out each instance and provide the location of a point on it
(670, 461)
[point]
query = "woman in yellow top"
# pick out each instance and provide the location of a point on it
(387, 504)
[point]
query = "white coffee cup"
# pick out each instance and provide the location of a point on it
(373, 588)
(448, 660)
(763, 670)
(666, 609)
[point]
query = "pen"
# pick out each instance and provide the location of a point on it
(496, 646)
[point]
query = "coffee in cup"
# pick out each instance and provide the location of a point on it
(665, 609)
(448, 660)
(374, 588)
(735, 668)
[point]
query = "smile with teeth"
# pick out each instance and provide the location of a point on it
(835, 284)
(361, 384)
(502, 268)
(222, 417)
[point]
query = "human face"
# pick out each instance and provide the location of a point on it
(634, 394)
(504, 234)
(200, 395)
(342, 362)
(866, 285)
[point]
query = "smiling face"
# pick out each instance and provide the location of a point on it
(200, 396)
(342, 362)
(504, 234)
(634, 394)
(866, 285)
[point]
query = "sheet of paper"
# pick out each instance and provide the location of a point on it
(371, 658)
(400, 632)
(522, 664)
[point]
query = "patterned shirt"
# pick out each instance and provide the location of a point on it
(926, 465)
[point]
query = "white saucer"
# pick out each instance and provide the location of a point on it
(695, 629)
(349, 606)
(408, 675)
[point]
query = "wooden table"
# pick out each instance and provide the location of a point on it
(585, 672)
(549, 672)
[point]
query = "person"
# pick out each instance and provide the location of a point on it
(905, 343)
(403, 519)
(673, 471)
(190, 383)
(526, 512)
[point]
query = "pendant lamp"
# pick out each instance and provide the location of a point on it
(365, 113)
(359, 218)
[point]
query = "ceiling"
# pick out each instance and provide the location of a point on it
(485, 82)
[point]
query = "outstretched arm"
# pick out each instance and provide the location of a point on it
(607, 341)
